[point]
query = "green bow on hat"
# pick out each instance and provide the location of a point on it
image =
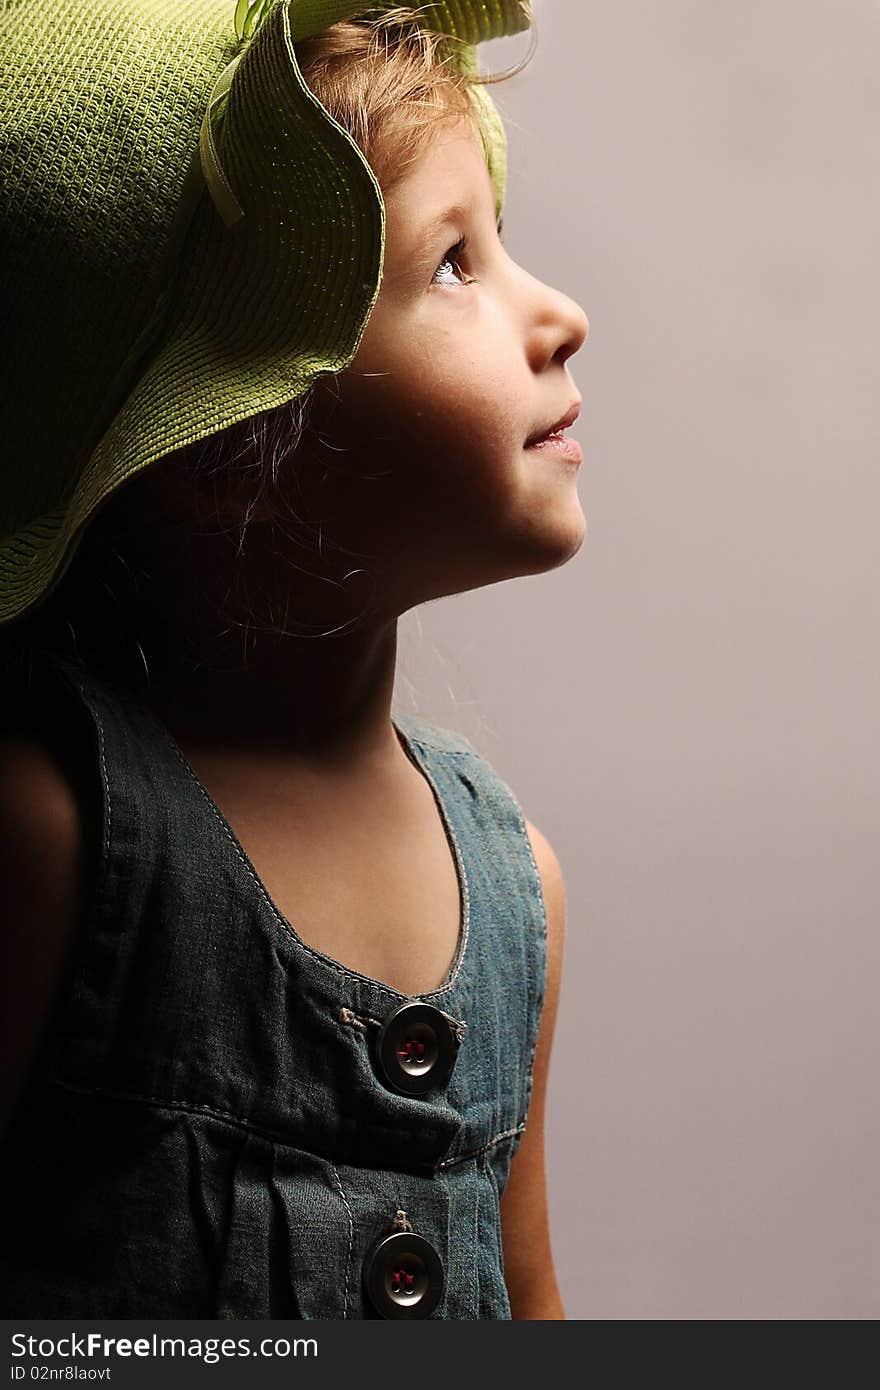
(140, 314)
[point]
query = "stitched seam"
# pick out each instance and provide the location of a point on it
(350, 1238)
(71, 677)
(466, 928)
(328, 964)
(537, 884)
(475, 1153)
(440, 747)
(325, 961)
(538, 892)
(106, 780)
(461, 875)
(191, 1108)
(188, 1107)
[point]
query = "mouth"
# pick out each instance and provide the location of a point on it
(554, 430)
(554, 441)
(559, 447)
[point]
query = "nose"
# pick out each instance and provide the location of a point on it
(559, 327)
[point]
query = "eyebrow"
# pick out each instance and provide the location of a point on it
(453, 214)
(430, 231)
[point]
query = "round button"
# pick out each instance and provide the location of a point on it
(417, 1048)
(403, 1275)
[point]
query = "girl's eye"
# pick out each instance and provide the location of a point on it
(451, 260)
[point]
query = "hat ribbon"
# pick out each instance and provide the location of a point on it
(225, 201)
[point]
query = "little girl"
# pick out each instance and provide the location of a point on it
(279, 967)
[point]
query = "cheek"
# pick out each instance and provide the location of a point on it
(435, 412)
(452, 378)
(467, 410)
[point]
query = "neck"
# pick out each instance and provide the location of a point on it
(223, 677)
(322, 701)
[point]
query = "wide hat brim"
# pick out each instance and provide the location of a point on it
(140, 319)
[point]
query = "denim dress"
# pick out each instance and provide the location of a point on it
(223, 1122)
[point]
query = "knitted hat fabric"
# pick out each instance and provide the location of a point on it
(187, 238)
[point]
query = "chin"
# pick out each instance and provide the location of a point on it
(524, 546)
(557, 541)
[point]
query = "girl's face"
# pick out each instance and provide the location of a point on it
(462, 360)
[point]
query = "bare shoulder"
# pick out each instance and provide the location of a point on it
(552, 881)
(528, 1258)
(553, 887)
(41, 825)
(36, 797)
(42, 857)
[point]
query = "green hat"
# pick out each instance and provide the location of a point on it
(139, 313)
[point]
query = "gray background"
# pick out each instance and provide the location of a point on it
(689, 708)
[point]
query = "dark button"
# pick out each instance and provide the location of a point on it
(417, 1048)
(403, 1276)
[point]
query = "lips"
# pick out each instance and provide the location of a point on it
(555, 429)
